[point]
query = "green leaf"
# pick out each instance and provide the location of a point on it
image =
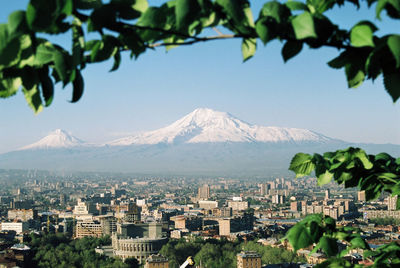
(32, 97)
(240, 13)
(140, 5)
(291, 49)
(325, 178)
(249, 46)
(328, 245)
(134, 43)
(355, 76)
(30, 89)
(361, 35)
(263, 31)
(61, 66)
(104, 50)
(334, 263)
(362, 156)
(330, 222)
(295, 5)
(46, 85)
(78, 86)
(391, 80)
(393, 43)
(299, 237)
(44, 54)
(101, 17)
(78, 43)
(303, 26)
(315, 231)
(302, 164)
(155, 18)
(9, 86)
(186, 12)
(340, 61)
(17, 22)
(117, 61)
(87, 4)
(10, 49)
(274, 10)
(48, 16)
(358, 242)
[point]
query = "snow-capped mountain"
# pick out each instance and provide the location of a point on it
(206, 125)
(57, 139)
(204, 142)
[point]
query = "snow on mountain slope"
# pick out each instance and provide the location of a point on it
(57, 139)
(206, 125)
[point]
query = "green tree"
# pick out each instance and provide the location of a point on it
(60, 251)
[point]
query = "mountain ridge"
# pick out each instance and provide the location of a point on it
(202, 125)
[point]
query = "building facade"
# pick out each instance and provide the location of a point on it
(156, 261)
(248, 259)
(88, 228)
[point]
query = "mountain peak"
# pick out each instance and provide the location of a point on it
(207, 125)
(58, 138)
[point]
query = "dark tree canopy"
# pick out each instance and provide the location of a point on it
(30, 60)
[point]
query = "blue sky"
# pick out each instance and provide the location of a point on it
(161, 87)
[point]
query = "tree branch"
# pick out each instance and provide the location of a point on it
(197, 40)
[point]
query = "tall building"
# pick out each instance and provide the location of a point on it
(206, 204)
(361, 196)
(108, 224)
(22, 214)
(18, 227)
(238, 205)
(63, 199)
(263, 189)
(248, 259)
(133, 214)
(278, 199)
(204, 192)
(327, 194)
(88, 228)
(295, 206)
(236, 224)
(84, 208)
(392, 202)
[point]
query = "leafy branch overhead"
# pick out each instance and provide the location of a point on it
(322, 233)
(353, 168)
(29, 59)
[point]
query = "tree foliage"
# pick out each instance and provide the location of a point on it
(353, 168)
(30, 60)
(216, 253)
(60, 251)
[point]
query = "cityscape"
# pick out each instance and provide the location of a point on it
(141, 218)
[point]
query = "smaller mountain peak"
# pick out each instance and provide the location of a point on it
(58, 138)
